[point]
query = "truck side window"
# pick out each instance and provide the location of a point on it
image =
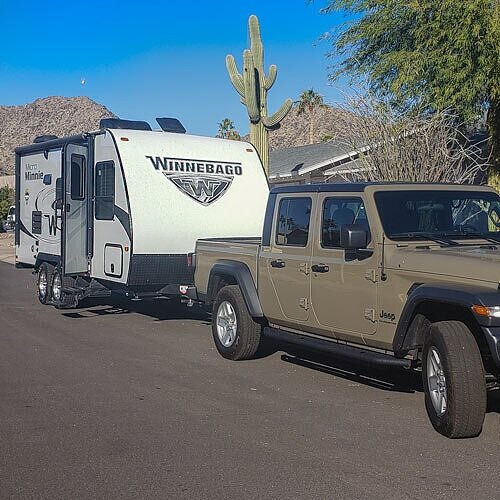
(77, 177)
(338, 212)
(293, 221)
(105, 190)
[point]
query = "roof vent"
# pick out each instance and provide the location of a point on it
(124, 124)
(171, 125)
(44, 138)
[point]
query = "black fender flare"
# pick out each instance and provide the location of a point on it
(243, 277)
(464, 296)
(49, 258)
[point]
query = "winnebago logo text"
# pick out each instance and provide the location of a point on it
(204, 181)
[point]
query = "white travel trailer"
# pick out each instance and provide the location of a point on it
(122, 207)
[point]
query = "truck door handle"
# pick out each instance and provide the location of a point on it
(320, 268)
(278, 263)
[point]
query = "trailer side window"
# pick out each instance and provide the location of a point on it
(105, 190)
(293, 222)
(77, 177)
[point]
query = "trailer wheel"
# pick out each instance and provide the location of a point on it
(454, 380)
(61, 299)
(236, 334)
(44, 283)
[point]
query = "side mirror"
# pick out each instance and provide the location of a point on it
(353, 237)
(59, 193)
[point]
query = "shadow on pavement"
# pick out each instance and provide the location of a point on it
(160, 309)
(389, 379)
(493, 401)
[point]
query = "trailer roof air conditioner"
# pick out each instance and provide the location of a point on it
(171, 125)
(44, 138)
(124, 124)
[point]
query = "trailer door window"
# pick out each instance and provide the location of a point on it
(77, 177)
(105, 190)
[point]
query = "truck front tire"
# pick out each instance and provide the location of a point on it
(454, 380)
(236, 334)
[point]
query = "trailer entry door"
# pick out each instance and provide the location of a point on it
(76, 192)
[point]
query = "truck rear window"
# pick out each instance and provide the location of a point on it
(292, 227)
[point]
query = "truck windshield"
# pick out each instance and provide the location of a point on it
(439, 215)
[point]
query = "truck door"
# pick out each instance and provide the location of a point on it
(343, 288)
(74, 210)
(285, 263)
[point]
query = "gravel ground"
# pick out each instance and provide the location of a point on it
(6, 240)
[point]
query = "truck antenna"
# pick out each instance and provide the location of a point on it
(383, 275)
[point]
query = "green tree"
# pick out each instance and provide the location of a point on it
(227, 130)
(427, 54)
(6, 200)
(307, 103)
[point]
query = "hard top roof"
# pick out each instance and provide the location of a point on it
(359, 187)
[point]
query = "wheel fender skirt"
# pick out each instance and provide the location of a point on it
(244, 279)
(492, 336)
(453, 294)
(47, 257)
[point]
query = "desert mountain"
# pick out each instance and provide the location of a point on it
(59, 116)
(62, 116)
(328, 123)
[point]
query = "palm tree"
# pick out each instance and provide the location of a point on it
(227, 130)
(307, 103)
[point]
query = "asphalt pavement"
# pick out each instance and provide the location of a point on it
(108, 401)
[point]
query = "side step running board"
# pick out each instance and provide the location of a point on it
(337, 349)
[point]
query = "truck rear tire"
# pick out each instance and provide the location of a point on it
(454, 380)
(44, 283)
(236, 334)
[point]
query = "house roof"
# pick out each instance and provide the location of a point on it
(299, 160)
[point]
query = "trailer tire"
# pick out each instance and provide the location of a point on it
(236, 335)
(44, 283)
(60, 299)
(452, 367)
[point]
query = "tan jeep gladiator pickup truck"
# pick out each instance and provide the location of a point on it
(396, 274)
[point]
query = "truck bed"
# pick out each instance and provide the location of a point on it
(211, 250)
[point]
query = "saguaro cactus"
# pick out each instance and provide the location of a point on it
(252, 84)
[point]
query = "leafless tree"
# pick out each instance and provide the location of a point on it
(390, 146)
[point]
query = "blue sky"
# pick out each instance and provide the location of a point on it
(144, 59)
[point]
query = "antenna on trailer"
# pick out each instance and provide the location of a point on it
(171, 125)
